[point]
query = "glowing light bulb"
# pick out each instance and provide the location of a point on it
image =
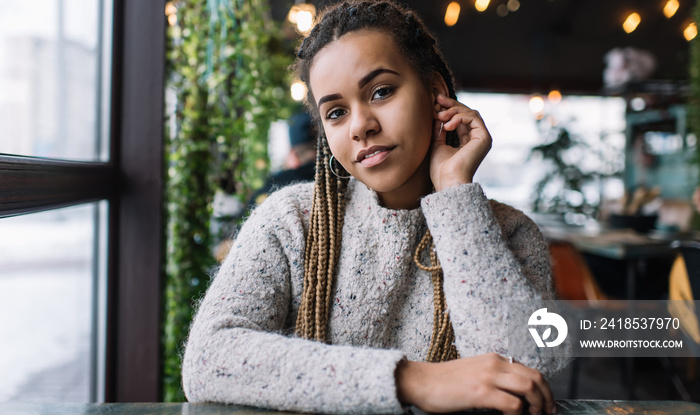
(304, 21)
(513, 5)
(631, 22)
(671, 8)
(690, 32)
(171, 13)
(536, 104)
(170, 8)
(554, 96)
(481, 5)
(452, 13)
(302, 15)
(298, 90)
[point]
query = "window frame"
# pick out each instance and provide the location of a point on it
(132, 182)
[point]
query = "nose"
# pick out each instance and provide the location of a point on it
(363, 123)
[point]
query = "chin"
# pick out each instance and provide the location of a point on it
(380, 186)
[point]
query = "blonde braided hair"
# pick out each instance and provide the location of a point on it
(442, 347)
(322, 248)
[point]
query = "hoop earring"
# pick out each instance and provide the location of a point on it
(330, 165)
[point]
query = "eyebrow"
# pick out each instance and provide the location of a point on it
(331, 97)
(360, 84)
(367, 78)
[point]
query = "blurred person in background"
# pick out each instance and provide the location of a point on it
(301, 160)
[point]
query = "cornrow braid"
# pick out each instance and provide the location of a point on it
(323, 243)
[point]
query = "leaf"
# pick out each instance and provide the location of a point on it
(546, 334)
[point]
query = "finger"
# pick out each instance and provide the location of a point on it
(475, 126)
(525, 387)
(460, 115)
(447, 102)
(447, 113)
(539, 380)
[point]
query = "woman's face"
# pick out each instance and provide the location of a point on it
(377, 114)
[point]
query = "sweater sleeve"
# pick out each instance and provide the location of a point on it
(241, 349)
(493, 257)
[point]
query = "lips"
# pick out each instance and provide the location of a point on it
(374, 155)
(373, 151)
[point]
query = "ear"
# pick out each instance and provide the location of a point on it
(437, 86)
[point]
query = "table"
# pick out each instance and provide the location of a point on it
(564, 407)
(621, 244)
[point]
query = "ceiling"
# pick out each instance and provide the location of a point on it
(548, 44)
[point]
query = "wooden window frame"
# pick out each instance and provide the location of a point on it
(132, 182)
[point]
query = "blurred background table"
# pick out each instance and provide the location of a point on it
(626, 245)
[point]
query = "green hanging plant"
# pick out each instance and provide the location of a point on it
(227, 70)
(694, 101)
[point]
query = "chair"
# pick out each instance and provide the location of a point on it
(572, 277)
(684, 287)
(683, 290)
(573, 281)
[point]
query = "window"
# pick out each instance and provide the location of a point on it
(81, 87)
(507, 176)
(52, 55)
(51, 294)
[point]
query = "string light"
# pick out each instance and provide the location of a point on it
(304, 21)
(302, 15)
(554, 96)
(631, 22)
(452, 13)
(671, 8)
(298, 90)
(536, 104)
(513, 5)
(481, 5)
(171, 13)
(690, 32)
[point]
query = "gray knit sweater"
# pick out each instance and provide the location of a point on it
(241, 347)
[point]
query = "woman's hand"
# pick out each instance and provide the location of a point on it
(484, 381)
(454, 166)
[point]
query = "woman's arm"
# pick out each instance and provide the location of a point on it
(491, 254)
(239, 350)
(492, 257)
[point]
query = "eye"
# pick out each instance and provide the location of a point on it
(382, 92)
(334, 114)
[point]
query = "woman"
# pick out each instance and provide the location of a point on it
(343, 263)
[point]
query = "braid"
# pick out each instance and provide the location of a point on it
(442, 346)
(420, 48)
(322, 248)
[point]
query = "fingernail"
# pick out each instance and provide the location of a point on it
(554, 409)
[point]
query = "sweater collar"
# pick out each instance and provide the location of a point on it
(361, 195)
